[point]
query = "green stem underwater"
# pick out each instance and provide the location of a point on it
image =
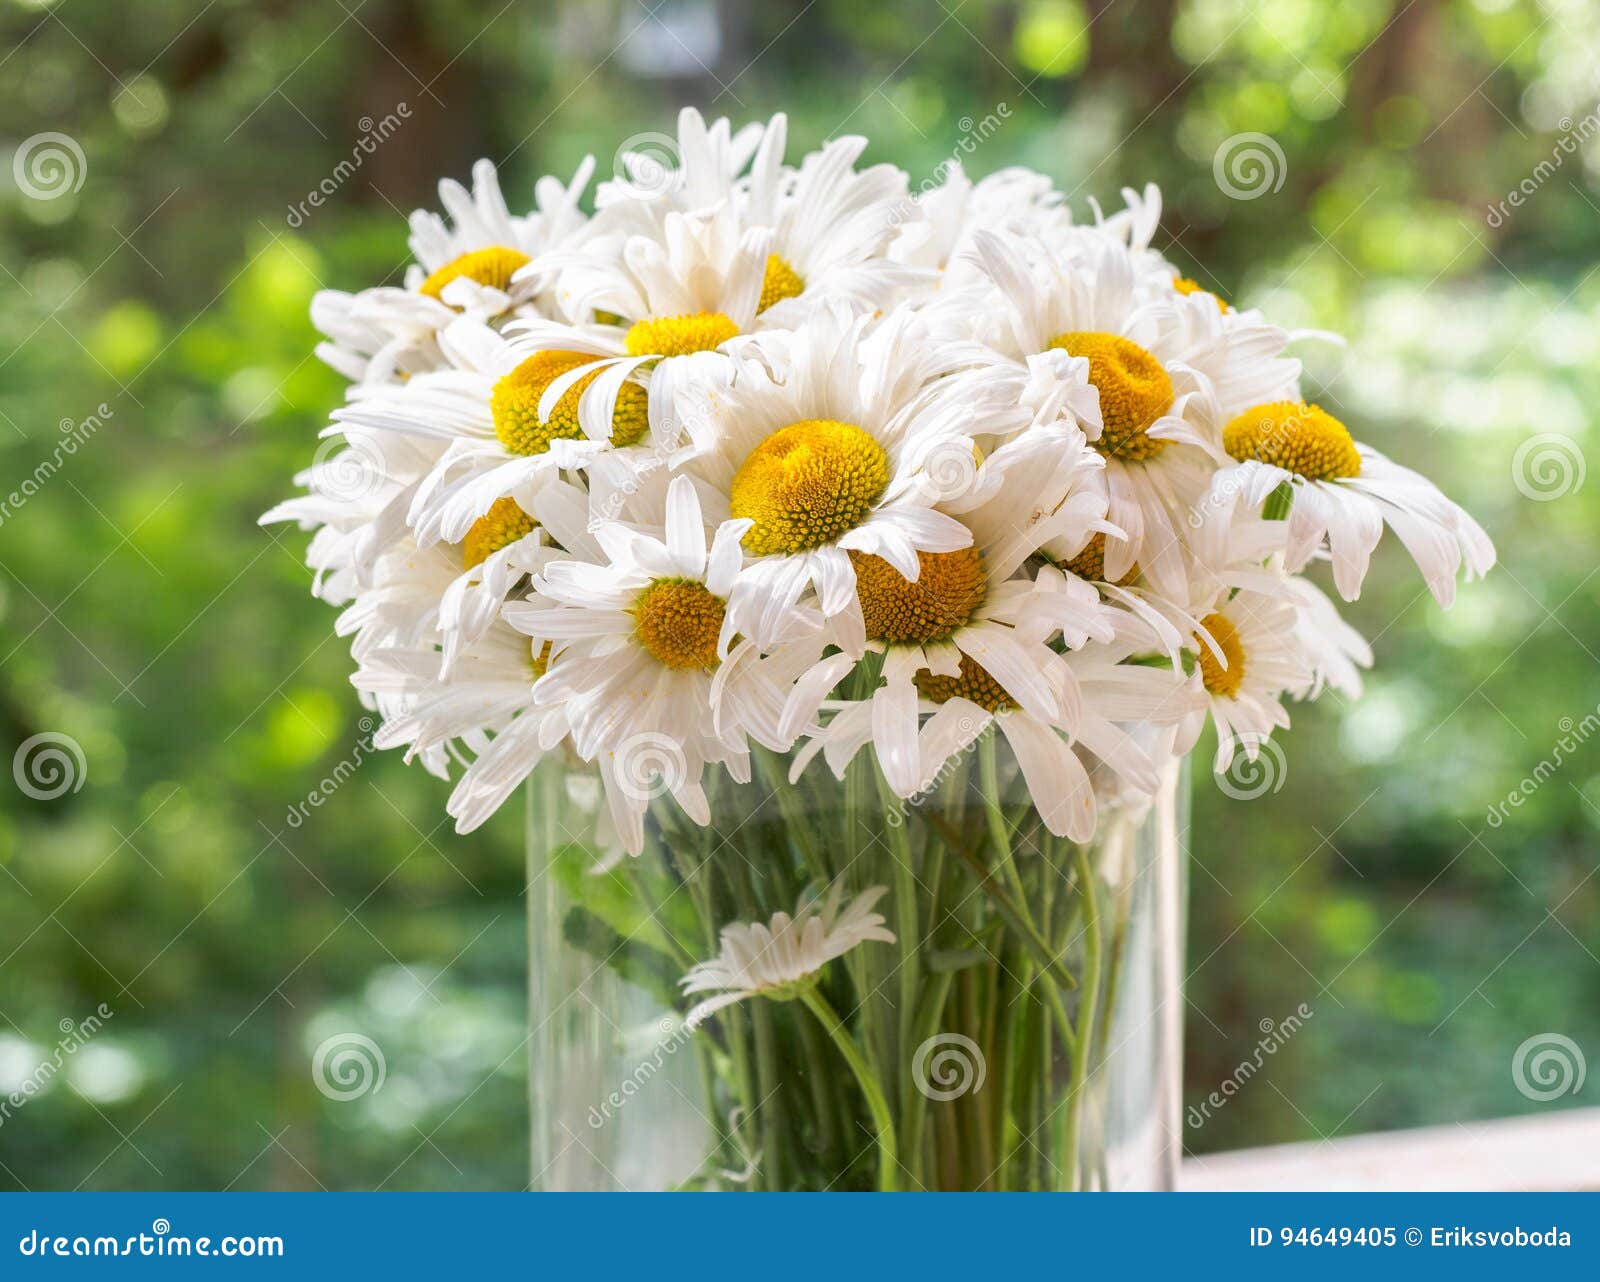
(877, 1104)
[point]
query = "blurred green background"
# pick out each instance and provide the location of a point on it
(144, 614)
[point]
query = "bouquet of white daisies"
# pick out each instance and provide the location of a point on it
(763, 461)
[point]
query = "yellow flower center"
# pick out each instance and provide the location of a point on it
(1217, 679)
(540, 660)
(1134, 392)
(1090, 564)
(779, 281)
(493, 266)
(678, 621)
(514, 405)
(679, 335)
(1298, 438)
(1186, 286)
(503, 524)
(974, 683)
(950, 586)
(807, 484)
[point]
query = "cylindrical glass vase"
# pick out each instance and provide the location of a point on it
(1022, 1032)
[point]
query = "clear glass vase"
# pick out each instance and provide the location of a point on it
(1022, 1033)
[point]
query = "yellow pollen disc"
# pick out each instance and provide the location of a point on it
(974, 683)
(807, 484)
(1134, 391)
(1186, 286)
(1217, 679)
(1090, 564)
(678, 621)
(503, 524)
(679, 335)
(493, 266)
(540, 660)
(780, 281)
(514, 405)
(1298, 438)
(949, 588)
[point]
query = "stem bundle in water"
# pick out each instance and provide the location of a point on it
(968, 1054)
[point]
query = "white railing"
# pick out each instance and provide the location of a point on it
(1549, 1151)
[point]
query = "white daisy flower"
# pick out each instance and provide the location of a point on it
(640, 641)
(1337, 652)
(388, 334)
(1247, 658)
(1343, 493)
(502, 420)
(380, 335)
(1162, 380)
(471, 262)
(446, 593)
(359, 491)
(831, 227)
(662, 307)
(939, 239)
(484, 712)
(710, 160)
(834, 457)
(777, 959)
(709, 257)
(401, 605)
(965, 631)
(1135, 226)
(830, 224)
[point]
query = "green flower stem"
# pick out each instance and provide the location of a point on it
(795, 823)
(1278, 503)
(774, 1100)
(680, 954)
(999, 834)
(1087, 1006)
(882, 1119)
(905, 915)
(989, 775)
(706, 1059)
(975, 1163)
(1012, 1036)
(1053, 973)
(1015, 918)
(832, 1134)
(914, 1113)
